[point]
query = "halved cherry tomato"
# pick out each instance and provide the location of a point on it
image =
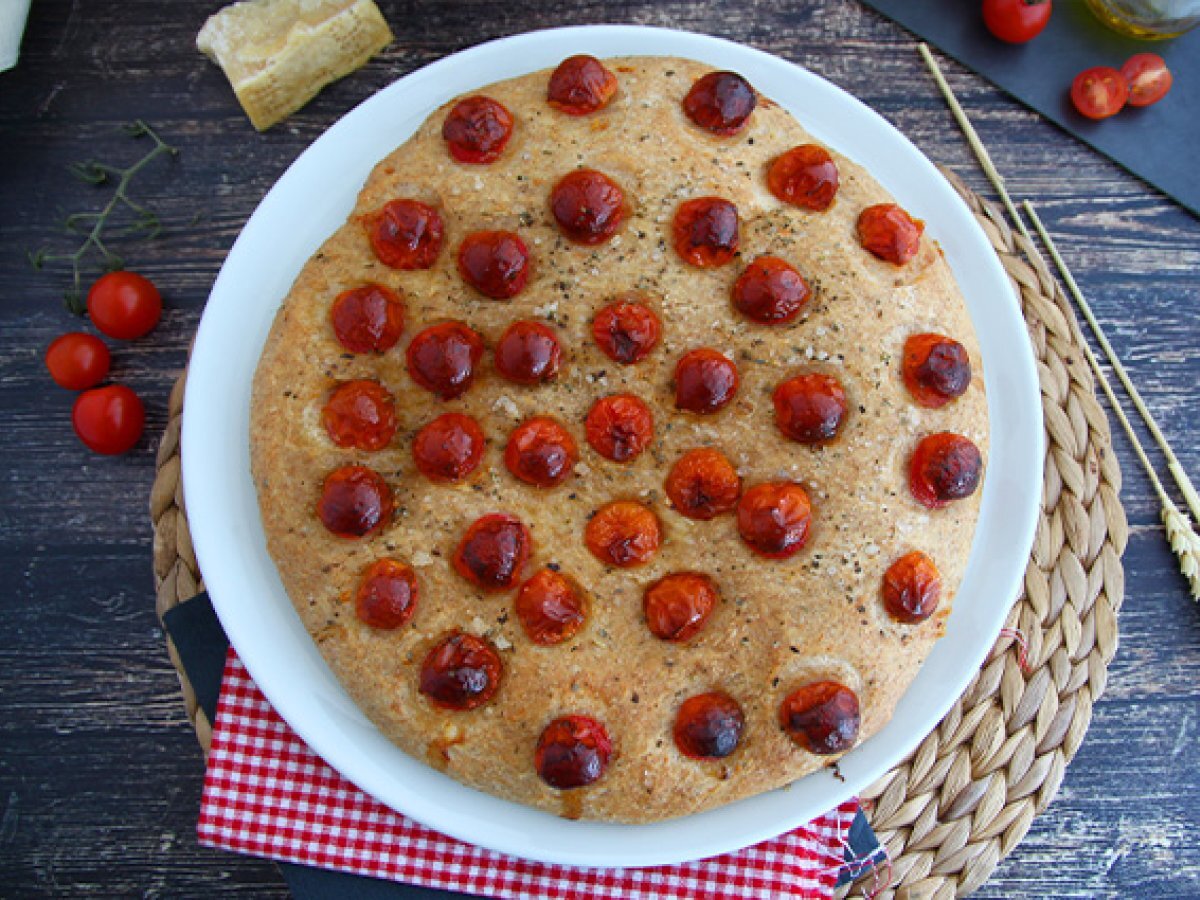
(1099, 92)
(109, 420)
(77, 361)
(1148, 77)
(1016, 21)
(124, 305)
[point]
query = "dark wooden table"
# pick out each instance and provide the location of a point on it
(99, 771)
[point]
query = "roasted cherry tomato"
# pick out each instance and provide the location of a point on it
(124, 305)
(709, 726)
(405, 234)
(912, 587)
(528, 353)
(822, 717)
(572, 752)
(619, 427)
(109, 420)
(493, 552)
(703, 484)
(77, 361)
(1099, 92)
(495, 263)
(1148, 77)
(770, 291)
(367, 319)
(678, 605)
(890, 233)
(720, 103)
(541, 452)
(387, 595)
(706, 232)
(810, 408)
(936, 369)
(775, 518)
(626, 331)
(551, 607)
(805, 176)
(461, 672)
(477, 130)
(1016, 21)
(355, 502)
(443, 358)
(449, 448)
(705, 381)
(943, 468)
(623, 534)
(360, 414)
(581, 85)
(588, 206)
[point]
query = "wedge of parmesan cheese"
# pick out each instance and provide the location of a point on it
(277, 54)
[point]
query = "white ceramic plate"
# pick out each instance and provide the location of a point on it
(314, 197)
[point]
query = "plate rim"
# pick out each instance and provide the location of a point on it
(590, 844)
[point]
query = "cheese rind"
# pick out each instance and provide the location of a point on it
(278, 54)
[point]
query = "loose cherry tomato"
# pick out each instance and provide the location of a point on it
(528, 353)
(720, 102)
(912, 587)
(936, 369)
(822, 717)
(493, 552)
(360, 414)
(943, 468)
(677, 605)
(581, 85)
(1099, 92)
(355, 502)
(477, 129)
(775, 519)
(495, 263)
(770, 291)
(1148, 77)
(449, 448)
(443, 358)
(703, 484)
(572, 752)
(705, 381)
(124, 305)
(626, 331)
(1016, 21)
(109, 420)
(367, 319)
(551, 607)
(706, 232)
(405, 234)
(709, 726)
(810, 409)
(461, 672)
(541, 452)
(588, 206)
(387, 595)
(624, 534)
(889, 233)
(619, 427)
(77, 361)
(805, 176)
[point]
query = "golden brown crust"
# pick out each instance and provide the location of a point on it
(779, 624)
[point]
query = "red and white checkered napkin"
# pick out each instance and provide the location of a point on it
(267, 794)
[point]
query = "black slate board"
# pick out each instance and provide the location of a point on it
(1156, 143)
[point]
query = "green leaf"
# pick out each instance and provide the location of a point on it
(73, 301)
(88, 171)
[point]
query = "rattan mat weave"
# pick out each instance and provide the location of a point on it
(966, 796)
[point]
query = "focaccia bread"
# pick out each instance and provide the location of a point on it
(621, 451)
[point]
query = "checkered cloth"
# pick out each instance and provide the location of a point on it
(267, 794)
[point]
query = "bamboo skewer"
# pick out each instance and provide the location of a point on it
(1184, 540)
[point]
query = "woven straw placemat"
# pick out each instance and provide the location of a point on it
(966, 796)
